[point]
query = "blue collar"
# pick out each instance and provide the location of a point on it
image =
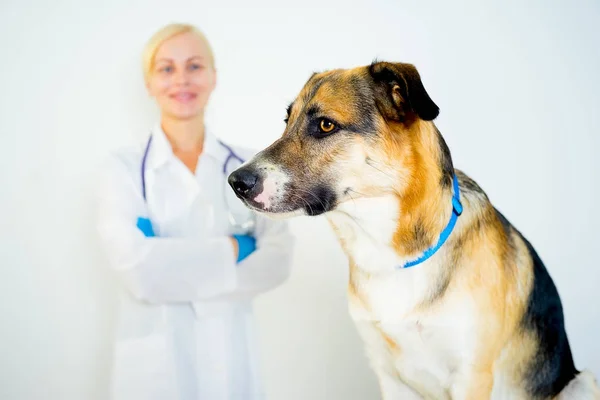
(457, 210)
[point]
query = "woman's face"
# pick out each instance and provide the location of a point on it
(182, 77)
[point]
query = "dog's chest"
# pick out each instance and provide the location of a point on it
(424, 350)
(422, 346)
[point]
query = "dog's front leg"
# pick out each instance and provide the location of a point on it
(473, 385)
(392, 388)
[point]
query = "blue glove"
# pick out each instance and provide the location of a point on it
(145, 226)
(246, 245)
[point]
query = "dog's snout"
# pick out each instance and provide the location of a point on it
(243, 181)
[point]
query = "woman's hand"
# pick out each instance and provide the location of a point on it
(244, 246)
(236, 247)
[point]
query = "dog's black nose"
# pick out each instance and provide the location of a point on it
(243, 181)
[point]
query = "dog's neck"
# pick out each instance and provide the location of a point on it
(425, 197)
(380, 233)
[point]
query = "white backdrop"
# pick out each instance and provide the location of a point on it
(518, 90)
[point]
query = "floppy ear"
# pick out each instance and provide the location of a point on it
(400, 94)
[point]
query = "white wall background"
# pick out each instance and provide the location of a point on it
(517, 85)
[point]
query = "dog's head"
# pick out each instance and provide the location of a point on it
(350, 134)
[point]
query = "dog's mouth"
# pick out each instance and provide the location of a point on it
(312, 200)
(270, 208)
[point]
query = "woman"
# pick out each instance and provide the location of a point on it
(165, 216)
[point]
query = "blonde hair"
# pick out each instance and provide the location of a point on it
(165, 33)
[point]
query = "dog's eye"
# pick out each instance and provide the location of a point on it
(326, 126)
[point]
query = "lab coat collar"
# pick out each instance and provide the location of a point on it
(161, 151)
(212, 147)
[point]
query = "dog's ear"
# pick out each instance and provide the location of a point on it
(400, 94)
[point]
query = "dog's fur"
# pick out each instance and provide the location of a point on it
(481, 318)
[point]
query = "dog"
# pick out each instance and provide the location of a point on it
(451, 300)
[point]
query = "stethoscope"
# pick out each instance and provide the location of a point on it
(240, 227)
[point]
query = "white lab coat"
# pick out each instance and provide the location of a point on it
(185, 328)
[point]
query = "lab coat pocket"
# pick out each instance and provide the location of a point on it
(142, 369)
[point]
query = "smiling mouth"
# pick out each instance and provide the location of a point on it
(184, 97)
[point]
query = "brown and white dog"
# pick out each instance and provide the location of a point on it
(477, 317)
